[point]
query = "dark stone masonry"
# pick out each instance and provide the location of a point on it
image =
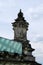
(20, 28)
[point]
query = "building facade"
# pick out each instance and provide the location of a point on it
(20, 28)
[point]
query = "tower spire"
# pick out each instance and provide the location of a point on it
(20, 27)
(20, 14)
(20, 10)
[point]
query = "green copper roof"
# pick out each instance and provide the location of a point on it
(10, 46)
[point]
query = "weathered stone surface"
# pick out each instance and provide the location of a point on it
(20, 27)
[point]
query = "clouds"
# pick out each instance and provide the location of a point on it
(32, 10)
(36, 22)
(38, 53)
(33, 13)
(6, 30)
(35, 33)
(6, 7)
(8, 3)
(39, 39)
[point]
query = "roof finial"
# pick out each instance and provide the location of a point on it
(20, 14)
(20, 10)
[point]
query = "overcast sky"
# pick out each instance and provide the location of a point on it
(33, 13)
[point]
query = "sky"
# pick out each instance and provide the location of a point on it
(33, 13)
